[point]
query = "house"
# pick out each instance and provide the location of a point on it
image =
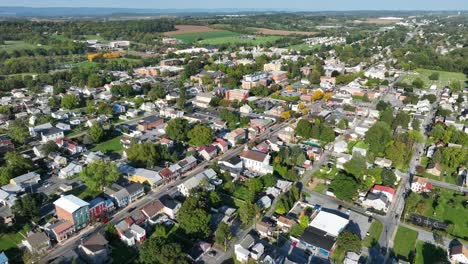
(60, 230)
(233, 165)
(25, 181)
(171, 206)
(264, 202)
(149, 123)
(203, 100)
(95, 249)
(236, 135)
(331, 223)
(359, 150)
(221, 144)
(420, 185)
(70, 170)
(135, 191)
(118, 194)
(197, 252)
(130, 233)
(387, 191)
(434, 169)
(264, 228)
(63, 126)
(151, 210)
(236, 94)
(285, 223)
(378, 201)
(52, 133)
(37, 243)
(73, 209)
(260, 125)
(245, 109)
(242, 251)
(256, 161)
(71, 146)
(253, 80)
(6, 198)
(208, 152)
(170, 112)
(383, 162)
(5, 144)
(185, 187)
(351, 258)
(458, 253)
(97, 208)
(142, 176)
(340, 146)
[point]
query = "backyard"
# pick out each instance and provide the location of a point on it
(444, 77)
(444, 205)
(112, 145)
(405, 241)
(427, 253)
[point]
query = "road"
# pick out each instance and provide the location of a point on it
(428, 237)
(168, 188)
(447, 185)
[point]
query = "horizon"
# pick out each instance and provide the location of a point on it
(273, 5)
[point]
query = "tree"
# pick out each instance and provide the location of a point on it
(148, 154)
(438, 131)
(387, 116)
(28, 206)
(96, 132)
(70, 101)
(349, 241)
(397, 152)
(247, 212)
(378, 136)
(388, 177)
(100, 174)
(382, 105)
(304, 128)
(416, 124)
(194, 218)
(15, 165)
(434, 76)
(223, 235)
(215, 200)
(342, 124)
(18, 131)
(356, 166)
(158, 250)
(157, 92)
(268, 180)
(200, 135)
(177, 129)
(418, 83)
(344, 186)
(402, 119)
(455, 86)
(49, 147)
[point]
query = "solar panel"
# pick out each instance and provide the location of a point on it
(421, 220)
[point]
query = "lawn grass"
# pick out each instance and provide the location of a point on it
(405, 240)
(427, 253)
(374, 233)
(241, 192)
(12, 45)
(258, 40)
(189, 38)
(120, 253)
(303, 47)
(10, 240)
(112, 145)
(320, 188)
(448, 208)
(444, 77)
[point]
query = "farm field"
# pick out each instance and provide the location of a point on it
(189, 38)
(405, 240)
(444, 77)
(267, 31)
(257, 40)
(447, 207)
(10, 46)
(189, 29)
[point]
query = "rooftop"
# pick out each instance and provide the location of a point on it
(330, 223)
(70, 203)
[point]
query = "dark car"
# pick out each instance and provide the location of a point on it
(131, 209)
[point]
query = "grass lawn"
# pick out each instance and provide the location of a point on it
(320, 188)
(338, 255)
(19, 45)
(112, 145)
(405, 240)
(427, 253)
(444, 77)
(374, 233)
(189, 38)
(258, 40)
(241, 192)
(305, 47)
(10, 240)
(449, 208)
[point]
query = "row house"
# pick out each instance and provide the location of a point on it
(130, 233)
(73, 209)
(175, 170)
(123, 196)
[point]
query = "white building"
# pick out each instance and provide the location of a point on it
(331, 223)
(256, 161)
(185, 187)
(70, 170)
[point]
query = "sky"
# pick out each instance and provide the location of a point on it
(306, 5)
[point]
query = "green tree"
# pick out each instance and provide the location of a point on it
(344, 187)
(96, 132)
(70, 101)
(157, 92)
(100, 174)
(378, 136)
(356, 166)
(434, 76)
(247, 212)
(342, 124)
(269, 180)
(349, 241)
(304, 129)
(438, 132)
(49, 147)
(387, 116)
(158, 250)
(200, 135)
(223, 235)
(418, 83)
(28, 206)
(18, 131)
(177, 129)
(388, 177)
(194, 218)
(402, 119)
(416, 124)
(215, 199)
(455, 86)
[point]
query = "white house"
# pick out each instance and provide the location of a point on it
(185, 187)
(340, 146)
(51, 134)
(459, 254)
(70, 170)
(256, 161)
(242, 250)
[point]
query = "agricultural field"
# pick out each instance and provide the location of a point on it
(405, 240)
(255, 40)
(189, 29)
(444, 205)
(444, 77)
(189, 38)
(267, 31)
(10, 46)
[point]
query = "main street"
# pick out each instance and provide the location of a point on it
(70, 244)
